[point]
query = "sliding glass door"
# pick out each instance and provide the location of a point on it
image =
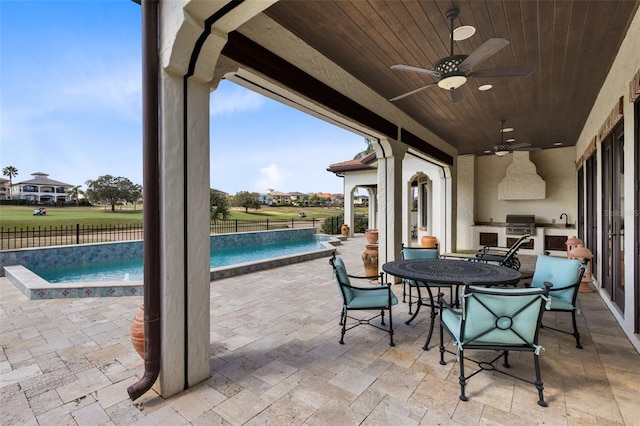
(613, 204)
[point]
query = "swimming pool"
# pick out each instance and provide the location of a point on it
(130, 270)
(115, 269)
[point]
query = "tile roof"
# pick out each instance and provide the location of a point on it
(365, 162)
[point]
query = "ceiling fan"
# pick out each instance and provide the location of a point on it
(453, 71)
(503, 148)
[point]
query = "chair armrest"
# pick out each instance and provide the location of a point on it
(488, 249)
(368, 277)
(443, 304)
(552, 289)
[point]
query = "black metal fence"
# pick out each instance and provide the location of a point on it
(232, 226)
(41, 236)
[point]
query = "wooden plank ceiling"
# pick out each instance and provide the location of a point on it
(572, 45)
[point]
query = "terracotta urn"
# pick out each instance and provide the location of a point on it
(136, 332)
(370, 260)
(428, 241)
(371, 235)
(344, 230)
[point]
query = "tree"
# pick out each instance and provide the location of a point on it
(75, 192)
(218, 205)
(367, 151)
(248, 200)
(132, 192)
(112, 190)
(11, 172)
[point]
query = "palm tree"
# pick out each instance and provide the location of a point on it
(11, 172)
(75, 192)
(367, 151)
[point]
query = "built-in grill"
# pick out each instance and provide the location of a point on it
(520, 224)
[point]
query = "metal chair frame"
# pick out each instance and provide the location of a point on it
(501, 322)
(574, 310)
(503, 256)
(419, 285)
(344, 316)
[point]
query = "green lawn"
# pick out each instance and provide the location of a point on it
(22, 216)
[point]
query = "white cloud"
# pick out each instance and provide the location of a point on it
(230, 101)
(272, 176)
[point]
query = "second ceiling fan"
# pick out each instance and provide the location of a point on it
(454, 70)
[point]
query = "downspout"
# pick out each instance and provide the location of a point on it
(151, 193)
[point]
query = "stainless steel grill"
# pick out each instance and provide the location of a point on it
(520, 224)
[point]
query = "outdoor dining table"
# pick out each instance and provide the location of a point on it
(449, 273)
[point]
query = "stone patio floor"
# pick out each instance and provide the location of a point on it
(275, 359)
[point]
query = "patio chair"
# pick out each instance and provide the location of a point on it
(496, 319)
(503, 256)
(420, 286)
(565, 275)
(374, 298)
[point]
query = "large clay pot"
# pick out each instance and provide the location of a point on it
(371, 235)
(345, 230)
(370, 259)
(428, 241)
(136, 331)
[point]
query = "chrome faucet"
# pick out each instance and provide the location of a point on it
(566, 219)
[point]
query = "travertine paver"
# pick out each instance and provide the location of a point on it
(276, 359)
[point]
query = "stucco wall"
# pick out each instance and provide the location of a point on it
(555, 166)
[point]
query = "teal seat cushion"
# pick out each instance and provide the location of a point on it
(557, 304)
(365, 299)
(560, 272)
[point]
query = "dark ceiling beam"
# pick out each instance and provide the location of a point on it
(249, 53)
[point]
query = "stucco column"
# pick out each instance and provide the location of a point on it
(390, 154)
(184, 199)
(348, 206)
(184, 196)
(373, 208)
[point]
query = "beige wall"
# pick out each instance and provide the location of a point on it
(555, 166)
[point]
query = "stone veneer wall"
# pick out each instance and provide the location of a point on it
(85, 254)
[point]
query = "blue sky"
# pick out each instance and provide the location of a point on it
(70, 106)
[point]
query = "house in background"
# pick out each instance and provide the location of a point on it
(4, 189)
(41, 190)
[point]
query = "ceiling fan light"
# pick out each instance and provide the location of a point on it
(500, 150)
(463, 32)
(452, 82)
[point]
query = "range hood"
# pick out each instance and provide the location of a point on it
(521, 181)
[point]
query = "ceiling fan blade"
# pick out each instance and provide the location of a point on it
(419, 89)
(519, 145)
(456, 95)
(532, 148)
(487, 49)
(415, 69)
(502, 72)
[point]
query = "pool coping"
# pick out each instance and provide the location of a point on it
(36, 288)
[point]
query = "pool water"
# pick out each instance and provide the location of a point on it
(132, 270)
